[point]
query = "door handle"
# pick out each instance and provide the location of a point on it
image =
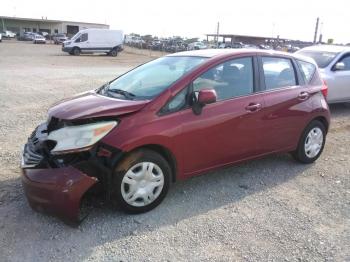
(253, 107)
(303, 96)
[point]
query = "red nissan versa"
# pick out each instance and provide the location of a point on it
(175, 117)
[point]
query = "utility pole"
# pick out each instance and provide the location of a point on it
(217, 34)
(316, 29)
(321, 34)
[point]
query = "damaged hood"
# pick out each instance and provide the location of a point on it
(90, 104)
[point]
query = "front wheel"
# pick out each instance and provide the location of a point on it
(141, 181)
(113, 52)
(311, 143)
(76, 51)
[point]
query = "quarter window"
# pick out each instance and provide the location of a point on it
(230, 79)
(278, 72)
(307, 70)
(177, 103)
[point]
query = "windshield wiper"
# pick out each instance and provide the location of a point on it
(126, 94)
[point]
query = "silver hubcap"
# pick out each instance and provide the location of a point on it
(313, 142)
(142, 184)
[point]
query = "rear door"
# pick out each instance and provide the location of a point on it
(229, 129)
(287, 103)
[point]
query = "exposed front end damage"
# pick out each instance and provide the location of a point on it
(56, 184)
(57, 191)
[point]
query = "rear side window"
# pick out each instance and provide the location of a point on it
(278, 72)
(307, 70)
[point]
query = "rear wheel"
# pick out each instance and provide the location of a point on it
(141, 181)
(311, 143)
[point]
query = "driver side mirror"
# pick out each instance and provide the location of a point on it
(339, 66)
(206, 96)
(202, 98)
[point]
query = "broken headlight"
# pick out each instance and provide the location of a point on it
(79, 138)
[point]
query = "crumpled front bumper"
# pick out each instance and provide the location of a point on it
(57, 191)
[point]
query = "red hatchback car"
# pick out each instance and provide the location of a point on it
(175, 117)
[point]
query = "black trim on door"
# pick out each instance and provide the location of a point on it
(256, 75)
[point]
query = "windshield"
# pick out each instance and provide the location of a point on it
(75, 36)
(322, 59)
(150, 79)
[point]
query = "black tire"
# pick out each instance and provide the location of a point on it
(113, 52)
(76, 51)
(138, 156)
(300, 153)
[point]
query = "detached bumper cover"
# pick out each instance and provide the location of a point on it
(57, 191)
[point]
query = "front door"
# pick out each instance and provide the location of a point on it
(339, 84)
(229, 129)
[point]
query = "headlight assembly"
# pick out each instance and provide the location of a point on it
(79, 138)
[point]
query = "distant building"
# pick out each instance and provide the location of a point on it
(21, 25)
(255, 40)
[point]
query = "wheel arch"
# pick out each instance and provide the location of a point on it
(164, 152)
(323, 120)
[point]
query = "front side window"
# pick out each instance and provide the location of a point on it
(84, 37)
(307, 70)
(149, 80)
(346, 61)
(278, 72)
(230, 79)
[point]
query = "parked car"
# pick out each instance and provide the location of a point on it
(169, 119)
(59, 38)
(196, 46)
(0, 37)
(9, 34)
(95, 41)
(334, 64)
(225, 45)
(26, 36)
(266, 47)
(39, 39)
(156, 45)
(237, 45)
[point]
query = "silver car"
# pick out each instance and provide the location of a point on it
(334, 64)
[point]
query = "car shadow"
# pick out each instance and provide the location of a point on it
(223, 188)
(341, 109)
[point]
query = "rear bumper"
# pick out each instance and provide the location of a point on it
(57, 191)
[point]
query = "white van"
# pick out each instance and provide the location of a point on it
(95, 41)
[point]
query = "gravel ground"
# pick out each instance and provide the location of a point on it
(272, 209)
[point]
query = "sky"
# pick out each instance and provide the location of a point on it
(293, 19)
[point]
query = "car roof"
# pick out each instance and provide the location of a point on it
(210, 53)
(326, 48)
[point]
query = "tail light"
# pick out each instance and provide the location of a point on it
(324, 89)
